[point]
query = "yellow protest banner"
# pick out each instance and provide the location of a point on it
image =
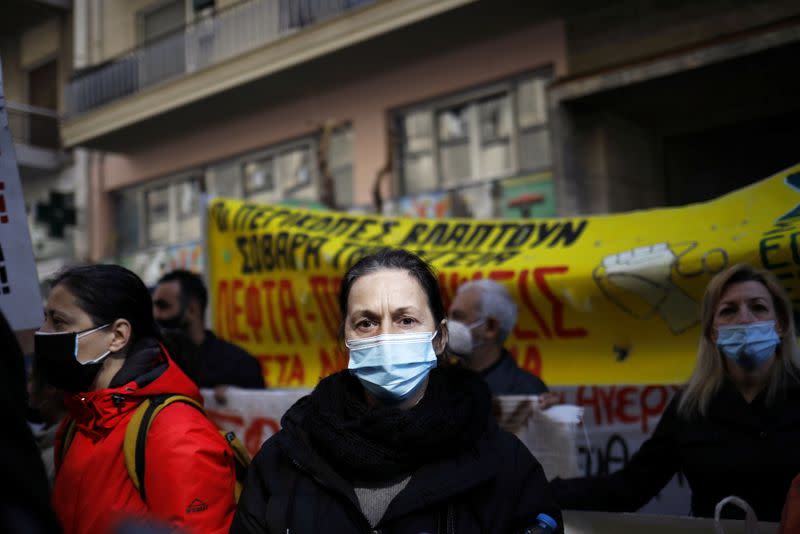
(602, 300)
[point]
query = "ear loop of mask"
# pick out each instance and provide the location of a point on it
(86, 333)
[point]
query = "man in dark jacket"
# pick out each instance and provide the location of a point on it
(489, 314)
(179, 302)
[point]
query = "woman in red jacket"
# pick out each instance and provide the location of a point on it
(100, 344)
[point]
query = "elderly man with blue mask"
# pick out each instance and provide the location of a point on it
(482, 316)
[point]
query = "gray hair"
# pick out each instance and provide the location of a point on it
(496, 302)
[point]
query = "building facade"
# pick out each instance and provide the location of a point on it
(432, 108)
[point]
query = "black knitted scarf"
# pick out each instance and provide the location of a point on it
(376, 442)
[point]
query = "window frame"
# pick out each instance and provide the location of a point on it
(273, 152)
(471, 99)
(345, 129)
(203, 176)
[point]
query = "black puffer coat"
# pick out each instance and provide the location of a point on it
(495, 486)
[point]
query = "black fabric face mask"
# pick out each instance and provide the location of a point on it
(173, 323)
(57, 358)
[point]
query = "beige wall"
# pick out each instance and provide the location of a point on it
(98, 209)
(364, 103)
(120, 21)
(21, 53)
(32, 48)
(14, 78)
(40, 43)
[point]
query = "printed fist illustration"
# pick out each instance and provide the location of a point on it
(640, 282)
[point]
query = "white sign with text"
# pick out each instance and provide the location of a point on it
(20, 298)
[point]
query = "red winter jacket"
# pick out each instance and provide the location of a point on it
(790, 520)
(189, 476)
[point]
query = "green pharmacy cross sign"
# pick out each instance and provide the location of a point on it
(58, 214)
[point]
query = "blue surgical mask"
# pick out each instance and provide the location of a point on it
(392, 367)
(749, 345)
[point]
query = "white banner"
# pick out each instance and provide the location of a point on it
(616, 419)
(551, 435)
(254, 415)
(20, 299)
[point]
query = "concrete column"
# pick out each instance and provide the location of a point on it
(99, 211)
(579, 163)
(370, 133)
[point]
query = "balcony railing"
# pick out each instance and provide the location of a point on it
(207, 41)
(34, 126)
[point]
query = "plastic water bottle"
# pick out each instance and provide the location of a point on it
(544, 525)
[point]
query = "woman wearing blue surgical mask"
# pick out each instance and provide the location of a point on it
(100, 345)
(734, 429)
(398, 442)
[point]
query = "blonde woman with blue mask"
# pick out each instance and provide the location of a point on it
(399, 442)
(734, 428)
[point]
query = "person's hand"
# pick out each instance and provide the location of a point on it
(220, 394)
(549, 399)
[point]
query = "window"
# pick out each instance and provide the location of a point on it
(167, 212)
(128, 219)
(494, 116)
(224, 180)
(532, 118)
(481, 136)
(286, 172)
(188, 198)
(187, 204)
(340, 162)
(293, 168)
(163, 213)
(157, 205)
(259, 176)
(418, 151)
(454, 140)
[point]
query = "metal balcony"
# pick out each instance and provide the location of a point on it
(208, 41)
